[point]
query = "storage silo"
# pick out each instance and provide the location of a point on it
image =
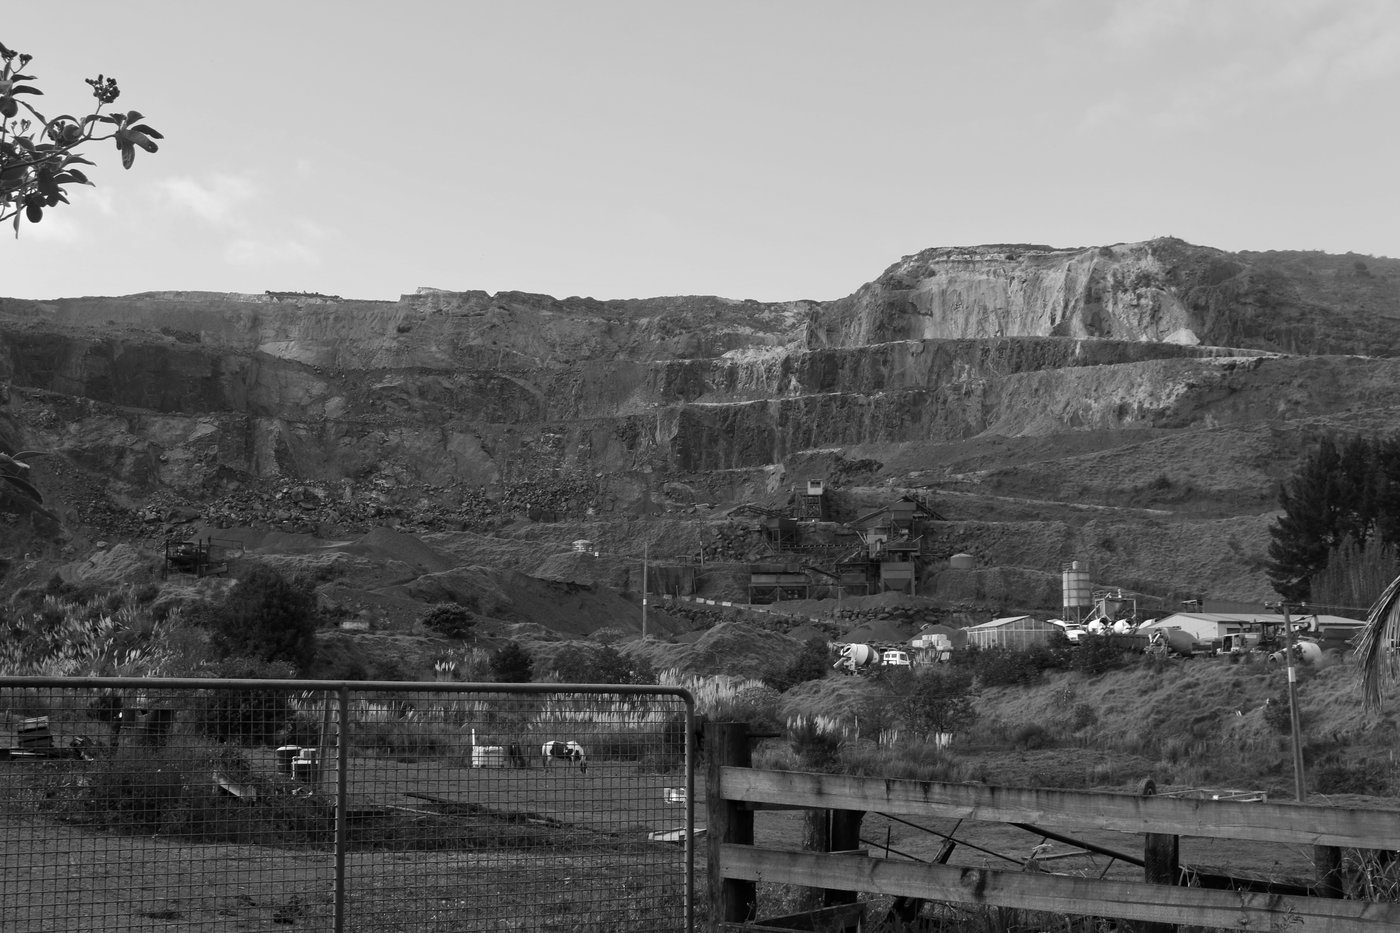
(1077, 592)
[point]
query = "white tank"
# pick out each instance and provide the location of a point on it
(962, 562)
(1304, 652)
(861, 655)
(856, 656)
(1075, 587)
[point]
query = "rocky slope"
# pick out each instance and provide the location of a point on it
(1131, 406)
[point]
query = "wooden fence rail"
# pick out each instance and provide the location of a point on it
(736, 862)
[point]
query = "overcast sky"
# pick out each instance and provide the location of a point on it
(768, 150)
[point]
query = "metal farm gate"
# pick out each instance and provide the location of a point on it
(131, 804)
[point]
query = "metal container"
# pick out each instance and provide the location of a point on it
(1078, 593)
(306, 767)
(286, 754)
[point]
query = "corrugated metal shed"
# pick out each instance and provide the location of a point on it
(1016, 632)
(1212, 626)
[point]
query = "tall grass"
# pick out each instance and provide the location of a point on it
(108, 635)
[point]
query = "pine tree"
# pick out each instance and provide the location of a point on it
(1340, 492)
(512, 665)
(1306, 531)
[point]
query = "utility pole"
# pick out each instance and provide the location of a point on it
(1295, 721)
(645, 553)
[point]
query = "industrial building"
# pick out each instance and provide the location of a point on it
(1014, 632)
(1211, 627)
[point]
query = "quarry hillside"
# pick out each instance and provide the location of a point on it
(1133, 407)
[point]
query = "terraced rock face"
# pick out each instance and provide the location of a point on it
(1138, 398)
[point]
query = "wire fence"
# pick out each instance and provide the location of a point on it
(137, 804)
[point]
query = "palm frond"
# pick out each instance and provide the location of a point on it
(1374, 644)
(24, 487)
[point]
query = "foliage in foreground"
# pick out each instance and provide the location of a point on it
(65, 631)
(40, 155)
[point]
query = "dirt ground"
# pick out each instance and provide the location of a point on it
(60, 877)
(589, 860)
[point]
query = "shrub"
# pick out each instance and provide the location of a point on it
(267, 619)
(448, 620)
(815, 742)
(1029, 736)
(914, 761)
(577, 664)
(170, 791)
(1001, 667)
(671, 755)
(757, 705)
(1277, 715)
(1099, 653)
(512, 665)
(253, 717)
(1056, 654)
(611, 666)
(938, 702)
(813, 662)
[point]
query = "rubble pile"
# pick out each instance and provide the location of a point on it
(350, 507)
(550, 498)
(852, 618)
(355, 507)
(698, 616)
(735, 542)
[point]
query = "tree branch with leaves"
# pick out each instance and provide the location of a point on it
(39, 155)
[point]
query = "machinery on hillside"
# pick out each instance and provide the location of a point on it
(853, 658)
(1169, 642)
(858, 659)
(886, 560)
(207, 558)
(1305, 651)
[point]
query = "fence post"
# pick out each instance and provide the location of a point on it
(727, 743)
(342, 815)
(1161, 858)
(845, 836)
(816, 837)
(1328, 868)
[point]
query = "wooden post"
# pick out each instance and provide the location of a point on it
(731, 901)
(816, 837)
(845, 836)
(1328, 870)
(1161, 859)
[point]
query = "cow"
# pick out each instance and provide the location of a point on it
(568, 751)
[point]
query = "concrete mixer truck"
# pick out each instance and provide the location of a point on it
(854, 658)
(1168, 642)
(1305, 651)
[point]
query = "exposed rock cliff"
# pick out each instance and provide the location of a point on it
(1159, 291)
(1125, 379)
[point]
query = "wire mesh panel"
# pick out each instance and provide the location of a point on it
(234, 805)
(486, 810)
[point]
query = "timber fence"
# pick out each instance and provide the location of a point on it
(840, 860)
(133, 804)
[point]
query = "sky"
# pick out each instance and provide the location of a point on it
(766, 150)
